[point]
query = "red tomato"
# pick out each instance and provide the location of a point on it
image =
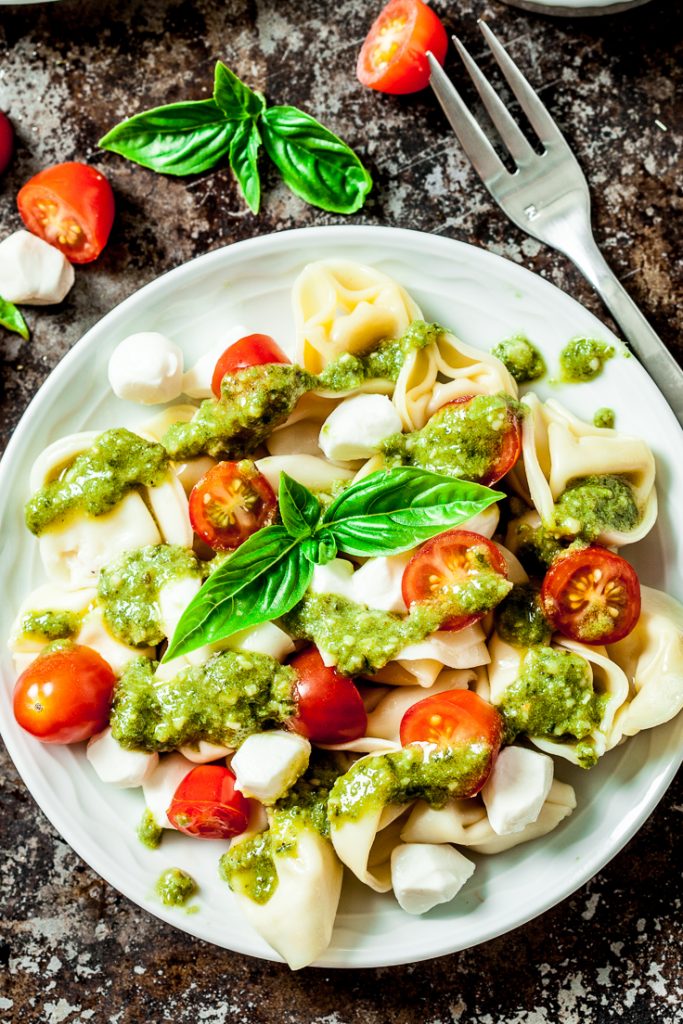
(232, 501)
(71, 206)
(446, 564)
(592, 596)
(394, 55)
(455, 718)
(206, 804)
(329, 707)
(6, 141)
(510, 447)
(64, 695)
(254, 350)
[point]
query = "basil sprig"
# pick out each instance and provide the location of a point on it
(385, 513)
(192, 137)
(11, 318)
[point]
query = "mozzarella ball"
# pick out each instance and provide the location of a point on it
(357, 427)
(32, 272)
(146, 368)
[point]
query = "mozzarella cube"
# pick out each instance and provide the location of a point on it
(174, 598)
(426, 874)
(32, 272)
(266, 638)
(160, 786)
(117, 766)
(334, 578)
(378, 583)
(269, 763)
(357, 427)
(517, 788)
(146, 368)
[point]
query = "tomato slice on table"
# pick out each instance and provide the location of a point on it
(253, 350)
(230, 502)
(453, 563)
(71, 206)
(64, 695)
(591, 596)
(206, 804)
(509, 445)
(454, 718)
(393, 58)
(329, 707)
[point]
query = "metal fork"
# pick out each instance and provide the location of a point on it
(547, 196)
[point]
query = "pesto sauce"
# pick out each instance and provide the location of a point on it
(522, 359)
(129, 588)
(249, 869)
(175, 887)
(459, 440)
(384, 362)
(51, 625)
(583, 359)
(222, 701)
(414, 773)
(519, 617)
(149, 833)
(605, 418)
(537, 547)
(98, 479)
(597, 503)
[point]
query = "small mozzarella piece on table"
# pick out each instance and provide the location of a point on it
(147, 368)
(117, 766)
(269, 763)
(32, 272)
(197, 380)
(160, 786)
(336, 577)
(516, 789)
(357, 427)
(378, 583)
(426, 874)
(266, 638)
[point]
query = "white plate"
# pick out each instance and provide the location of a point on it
(483, 298)
(577, 8)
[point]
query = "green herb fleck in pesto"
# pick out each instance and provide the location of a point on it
(592, 504)
(98, 479)
(519, 617)
(604, 417)
(51, 625)
(522, 359)
(175, 887)
(129, 590)
(583, 359)
(149, 833)
(384, 362)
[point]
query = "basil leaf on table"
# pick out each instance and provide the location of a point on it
(393, 510)
(244, 162)
(236, 100)
(12, 319)
(262, 580)
(181, 138)
(314, 163)
(299, 507)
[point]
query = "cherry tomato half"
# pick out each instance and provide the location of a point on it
(329, 707)
(71, 206)
(254, 350)
(509, 445)
(64, 695)
(592, 596)
(6, 141)
(455, 718)
(447, 564)
(394, 55)
(206, 804)
(232, 501)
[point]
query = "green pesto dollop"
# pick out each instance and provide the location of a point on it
(462, 440)
(129, 589)
(148, 832)
(253, 402)
(592, 504)
(51, 625)
(98, 479)
(536, 547)
(552, 697)
(522, 359)
(583, 359)
(519, 617)
(223, 701)
(604, 417)
(414, 773)
(384, 362)
(175, 887)
(249, 869)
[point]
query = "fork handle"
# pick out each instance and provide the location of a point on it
(647, 345)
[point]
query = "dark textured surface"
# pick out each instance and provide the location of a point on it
(72, 949)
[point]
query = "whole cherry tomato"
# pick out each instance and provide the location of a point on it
(253, 350)
(206, 804)
(329, 707)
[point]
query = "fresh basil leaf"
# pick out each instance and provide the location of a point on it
(244, 162)
(317, 165)
(236, 100)
(181, 138)
(393, 510)
(265, 577)
(299, 507)
(11, 318)
(321, 548)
